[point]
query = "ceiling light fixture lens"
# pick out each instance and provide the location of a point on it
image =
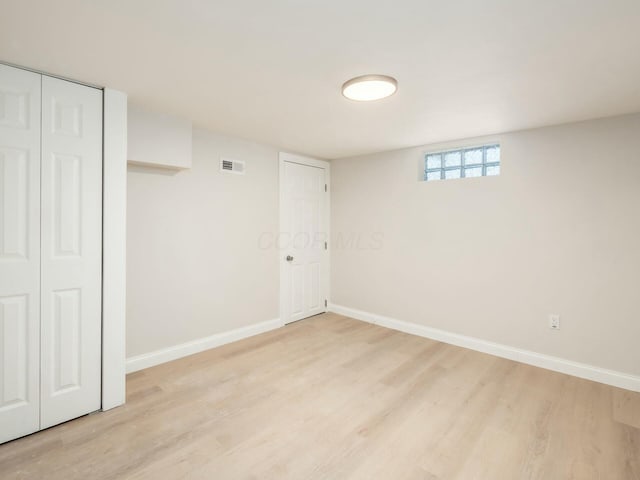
(369, 87)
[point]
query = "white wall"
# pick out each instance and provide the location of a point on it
(194, 264)
(557, 232)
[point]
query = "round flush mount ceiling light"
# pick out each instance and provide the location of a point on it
(369, 87)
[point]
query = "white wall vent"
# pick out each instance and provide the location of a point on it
(232, 166)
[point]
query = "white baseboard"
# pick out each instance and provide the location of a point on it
(157, 357)
(589, 372)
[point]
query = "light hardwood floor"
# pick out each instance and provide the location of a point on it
(334, 398)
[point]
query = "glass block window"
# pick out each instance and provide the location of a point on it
(482, 161)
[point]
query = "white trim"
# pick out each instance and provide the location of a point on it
(48, 74)
(302, 160)
(114, 248)
(312, 162)
(569, 367)
(151, 359)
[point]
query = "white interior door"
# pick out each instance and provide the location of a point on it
(19, 252)
(304, 236)
(71, 250)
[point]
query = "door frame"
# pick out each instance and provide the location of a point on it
(114, 247)
(285, 157)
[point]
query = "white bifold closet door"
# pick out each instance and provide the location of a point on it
(50, 251)
(71, 250)
(19, 252)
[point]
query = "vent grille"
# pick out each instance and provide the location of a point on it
(232, 166)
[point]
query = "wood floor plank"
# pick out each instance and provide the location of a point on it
(334, 398)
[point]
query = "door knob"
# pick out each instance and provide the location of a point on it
(289, 258)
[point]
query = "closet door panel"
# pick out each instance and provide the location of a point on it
(19, 252)
(71, 250)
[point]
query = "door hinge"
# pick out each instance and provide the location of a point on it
(325, 303)
(325, 245)
(325, 187)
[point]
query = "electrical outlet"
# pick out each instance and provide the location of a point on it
(554, 321)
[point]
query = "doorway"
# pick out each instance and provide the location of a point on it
(303, 243)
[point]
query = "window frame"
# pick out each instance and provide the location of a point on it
(462, 166)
